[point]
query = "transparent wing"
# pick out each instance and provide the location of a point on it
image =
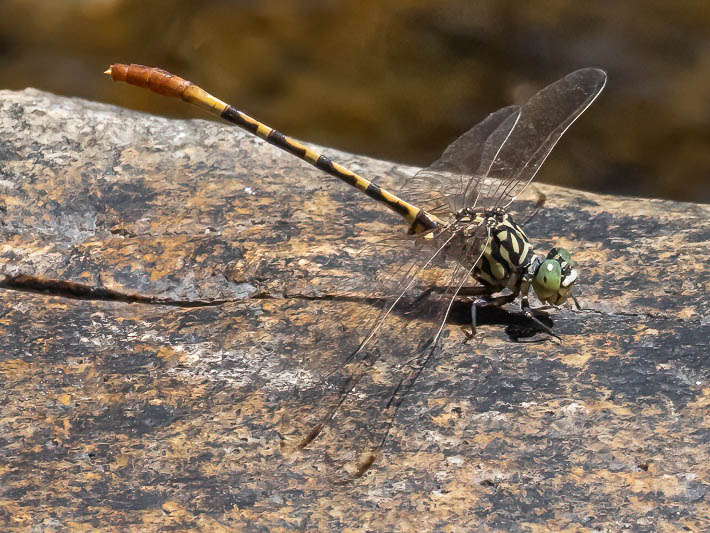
(373, 405)
(543, 120)
(492, 163)
(442, 187)
(347, 413)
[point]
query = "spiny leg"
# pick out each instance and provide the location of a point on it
(528, 312)
(486, 301)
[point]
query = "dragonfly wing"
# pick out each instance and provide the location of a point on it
(348, 413)
(543, 120)
(315, 401)
(373, 406)
(441, 187)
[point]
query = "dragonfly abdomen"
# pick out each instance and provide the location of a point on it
(167, 84)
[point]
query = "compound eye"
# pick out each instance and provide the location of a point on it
(564, 255)
(548, 276)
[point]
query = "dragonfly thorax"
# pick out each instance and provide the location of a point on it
(504, 248)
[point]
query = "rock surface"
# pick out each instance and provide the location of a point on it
(160, 279)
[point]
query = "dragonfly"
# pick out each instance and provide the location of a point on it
(460, 231)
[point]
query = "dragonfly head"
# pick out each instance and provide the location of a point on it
(554, 277)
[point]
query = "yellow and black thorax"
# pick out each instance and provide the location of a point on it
(508, 253)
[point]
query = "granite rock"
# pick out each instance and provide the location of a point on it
(160, 278)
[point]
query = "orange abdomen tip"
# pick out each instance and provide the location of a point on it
(155, 79)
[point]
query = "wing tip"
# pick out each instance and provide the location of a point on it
(592, 76)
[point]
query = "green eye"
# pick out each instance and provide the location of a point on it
(562, 255)
(547, 278)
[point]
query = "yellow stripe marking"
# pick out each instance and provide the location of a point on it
(311, 156)
(201, 98)
(497, 269)
(262, 130)
(514, 243)
(526, 250)
(504, 254)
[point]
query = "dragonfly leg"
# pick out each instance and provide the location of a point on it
(486, 301)
(528, 312)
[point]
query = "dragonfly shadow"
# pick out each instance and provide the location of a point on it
(517, 326)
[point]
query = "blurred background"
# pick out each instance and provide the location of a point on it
(400, 79)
